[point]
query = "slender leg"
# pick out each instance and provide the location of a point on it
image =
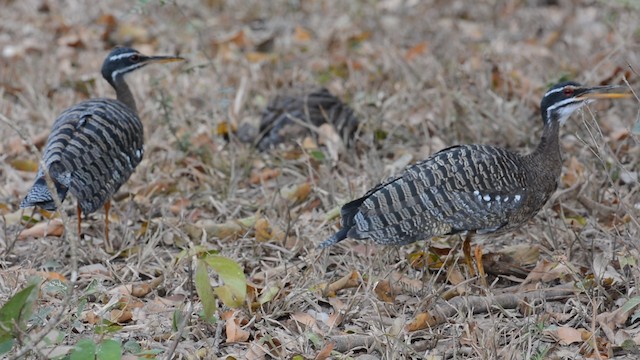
(466, 249)
(79, 221)
(483, 275)
(107, 207)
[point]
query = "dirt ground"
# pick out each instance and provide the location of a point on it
(421, 76)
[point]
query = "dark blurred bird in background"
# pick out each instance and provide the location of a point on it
(291, 117)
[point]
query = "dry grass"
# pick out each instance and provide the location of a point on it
(478, 78)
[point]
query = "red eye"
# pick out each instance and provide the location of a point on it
(134, 57)
(568, 91)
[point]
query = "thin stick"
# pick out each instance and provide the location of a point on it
(73, 251)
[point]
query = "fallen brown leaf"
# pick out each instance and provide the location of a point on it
(297, 192)
(300, 34)
(267, 232)
(54, 227)
(24, 165)
(120, 315)
(568, 335)
(348, 281)
(304, 318)
(138, 289)
(415, 51)
(263, 175)
(546, 271)
(234, 331)
(421, 321)
(384, 291)
(325, 352)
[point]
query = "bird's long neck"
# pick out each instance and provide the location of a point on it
(546, 158)
(123, 93)
(549, 142)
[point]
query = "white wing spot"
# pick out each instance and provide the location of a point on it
(487, 198)
(497, 197)
(506, 198)
(517, 198)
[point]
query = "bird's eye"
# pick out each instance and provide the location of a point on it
(134, 57)
(568, 91)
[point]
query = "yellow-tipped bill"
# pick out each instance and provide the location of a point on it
(606, 96)
(601, 92)
(163, 59)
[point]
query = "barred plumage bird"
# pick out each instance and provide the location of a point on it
(468, 188)
(95, 146)
(287, 117)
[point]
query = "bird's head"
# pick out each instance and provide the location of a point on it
(123, 60)
(562, 99)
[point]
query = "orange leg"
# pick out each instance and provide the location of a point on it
(79, 221)
(466, 249)
(481, 272)
(107, 207)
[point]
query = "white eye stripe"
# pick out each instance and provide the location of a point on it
(129, 68)
(553, 91)
(121, 56)
(566, 107)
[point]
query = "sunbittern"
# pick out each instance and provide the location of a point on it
(95, 146)
(472, 189)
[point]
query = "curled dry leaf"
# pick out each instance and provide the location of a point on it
(51, 275)
(233, 328)
(566, 335)
(300, 34)
(613, 320)
(547, 271)
(415, 51)
(266, 174)
(138, 289)
(297, 192)
(229, 229)
(54, 227)
(348, 281)
(325, 353)
(24, 165)
(304, 318)
(267, 232)
(384, 291)
(421, 321)
(256, 351)
(90, 317)
(120, 315)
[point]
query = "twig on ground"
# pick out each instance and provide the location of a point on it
(440, 314)
(344, 343)
(73, 251)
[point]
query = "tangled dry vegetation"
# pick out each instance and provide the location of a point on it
(421, 75)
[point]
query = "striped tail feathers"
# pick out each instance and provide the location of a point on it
(335, 238)
(40, 196)
(347, 214)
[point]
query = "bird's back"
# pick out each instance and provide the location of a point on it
(463, 188)
(92, 150)
(285, 117)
